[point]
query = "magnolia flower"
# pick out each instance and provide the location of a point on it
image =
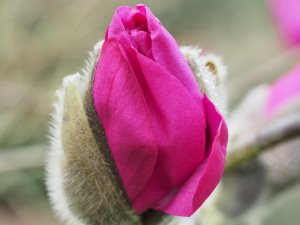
(134, 133)
(286, 14)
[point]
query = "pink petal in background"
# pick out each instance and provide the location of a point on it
(284, 90)
(287, 16)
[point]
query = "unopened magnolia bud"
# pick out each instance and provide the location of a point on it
(91, 150)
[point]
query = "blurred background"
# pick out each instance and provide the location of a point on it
(43, 41)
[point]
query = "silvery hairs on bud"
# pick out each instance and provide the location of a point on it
(82, 186)
(210, 74)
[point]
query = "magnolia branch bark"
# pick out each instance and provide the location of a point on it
(278, 132)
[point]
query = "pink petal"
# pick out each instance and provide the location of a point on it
(284, 90)
(191, 195)
(287, 16)
(122, 109)
(166, 52)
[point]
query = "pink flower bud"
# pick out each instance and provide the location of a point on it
(167, 139)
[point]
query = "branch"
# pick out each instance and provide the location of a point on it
(279, 131)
